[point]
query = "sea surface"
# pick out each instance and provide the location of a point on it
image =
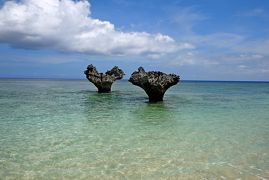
(64, 129)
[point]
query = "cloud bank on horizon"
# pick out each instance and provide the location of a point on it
(67, 25)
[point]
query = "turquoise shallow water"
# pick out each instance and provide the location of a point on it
(53, 129)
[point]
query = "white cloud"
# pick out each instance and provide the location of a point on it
(250, 56)
(242, 66)
(67, 26)
(256, 12)
(185, 18)
(231, 43)
(259, 46)
(188, 15)
(219, 40)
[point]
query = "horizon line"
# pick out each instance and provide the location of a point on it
(190, 80)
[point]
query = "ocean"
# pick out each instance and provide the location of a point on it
(64, 129)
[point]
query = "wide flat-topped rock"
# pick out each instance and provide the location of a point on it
(102, 81)
(155, 83)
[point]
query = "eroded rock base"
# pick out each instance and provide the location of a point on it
(102, 81)
(154, 83)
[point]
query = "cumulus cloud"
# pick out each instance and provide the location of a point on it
(67, 25)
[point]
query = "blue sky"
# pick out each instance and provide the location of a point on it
(199, 40)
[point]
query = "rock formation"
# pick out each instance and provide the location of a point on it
(103, 81)
(154, 83)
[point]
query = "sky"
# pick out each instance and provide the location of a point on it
(198, 40)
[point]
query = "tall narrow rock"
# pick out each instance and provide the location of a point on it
(155, 83)
(103, 82)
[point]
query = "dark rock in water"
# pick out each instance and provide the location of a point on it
(154, 83)
(103, 81)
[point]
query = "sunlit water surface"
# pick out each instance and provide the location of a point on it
(53, 129)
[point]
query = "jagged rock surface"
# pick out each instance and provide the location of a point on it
(154, 83)
(103, 82)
